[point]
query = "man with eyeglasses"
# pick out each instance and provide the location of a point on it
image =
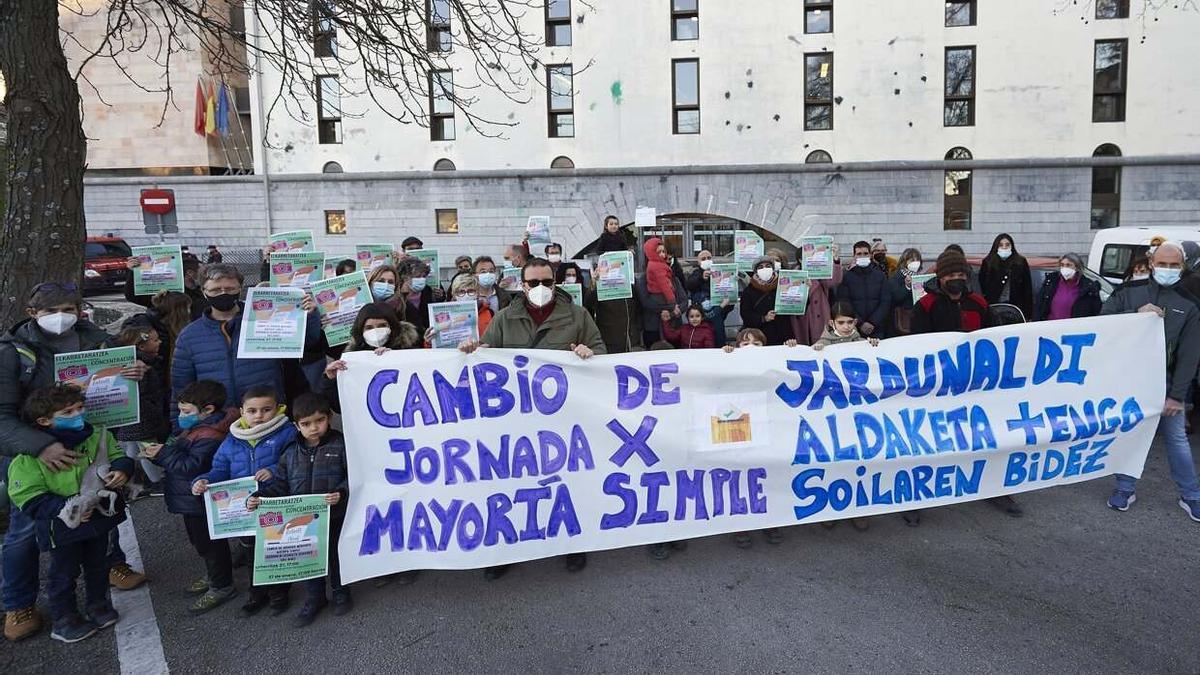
(55, 326)
(543, 317)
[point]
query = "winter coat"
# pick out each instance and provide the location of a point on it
(416, 315)
(207, 350)
(406, 338)
(619, 322)
(660, 280)
(755, 304)
(42, 493)
(27, 363)
(1087, 303)
(867, 289)
(188, 454)
(653, 304)
(1181, 324)
(810, 326)
(687, 336)
(307, 470)
(568, 324)
(153, 405)
(995, 273)
(236, 458)
(831, 337)
(938, 313)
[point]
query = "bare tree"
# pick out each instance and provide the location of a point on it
(387, 52)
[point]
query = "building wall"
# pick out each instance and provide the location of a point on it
(1034, 90)
(1045, 209)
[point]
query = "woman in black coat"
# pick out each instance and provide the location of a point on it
(1081, 295)
(1004, 276)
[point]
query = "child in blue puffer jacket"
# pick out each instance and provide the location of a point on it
(254, 445)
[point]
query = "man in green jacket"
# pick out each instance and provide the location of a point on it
(543, 317)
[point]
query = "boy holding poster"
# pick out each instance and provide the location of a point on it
(315, 463)
(202, 426)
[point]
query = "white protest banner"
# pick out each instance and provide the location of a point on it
(461, 461)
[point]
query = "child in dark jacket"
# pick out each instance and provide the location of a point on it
(154, 425)
(315, 463)
(696, 333)
(202, 426)
(73, 509)
(253, 446)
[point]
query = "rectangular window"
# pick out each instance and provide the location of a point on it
(441, 105)
(437, 26)
(1112, 9)
(560, 103)
(447, 221)
(558, 23)
(237, 19)
(324, 30)
(818, 16)
(335, 222)
(956, 208)
(818, 91)
(960, 13)
(329, 109)
(960, 87)
(685, 85)
(1108, 95)
(1106, 197)
(685, 19)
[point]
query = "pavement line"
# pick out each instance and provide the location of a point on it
(139, 643)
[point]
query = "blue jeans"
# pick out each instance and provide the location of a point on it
(1179, 458)
(19, 562)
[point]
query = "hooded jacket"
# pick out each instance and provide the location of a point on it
(188, 454)
(1181, 324)
(660, 280)
(939, 313)
(653, 304)
(568, 324)
(994, 273)
(237, 458)
(27, 363)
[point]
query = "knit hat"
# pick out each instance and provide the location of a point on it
(951, 262)
(763, 260)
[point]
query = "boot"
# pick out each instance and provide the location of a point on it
(124, 578)
(22, 623)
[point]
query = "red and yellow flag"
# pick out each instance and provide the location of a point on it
(210, 112)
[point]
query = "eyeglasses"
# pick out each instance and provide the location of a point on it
(548, 283)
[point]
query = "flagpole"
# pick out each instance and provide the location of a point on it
(228, 109)
(245, 141)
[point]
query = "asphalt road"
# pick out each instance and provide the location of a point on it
(1071, 587)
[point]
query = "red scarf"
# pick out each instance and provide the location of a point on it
(539, 314)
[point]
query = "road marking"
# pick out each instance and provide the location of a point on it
(139, 643)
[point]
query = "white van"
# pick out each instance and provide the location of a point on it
(1112, 249)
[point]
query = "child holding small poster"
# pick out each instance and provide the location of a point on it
(315, 463)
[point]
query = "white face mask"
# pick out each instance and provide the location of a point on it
(765, 274)
(863, 262)
(706, 264)
(1067, 273)
(1004, 253)
(57, 323)
(377, 337)
(570, 280)
(1139, 277)
(914, 265)
(486, 279)
(539, 296)
(554, 258)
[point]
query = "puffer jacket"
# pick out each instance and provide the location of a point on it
(687, 336)
(207, 350)
(867, 289)
(653, 304)
(1181, 323)
(307, 470)
(938, 313)
(236, 458)
(27, 363)
(188, 454)
(568, 324)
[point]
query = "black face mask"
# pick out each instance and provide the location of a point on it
(880, 257)
(955, 286)
(223, 302)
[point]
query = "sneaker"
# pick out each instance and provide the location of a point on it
(21, 623)
(253, 606)
(1008, 505)
(659, 551)
(197, 587)
(774, 536)
(1192, 506)
(495, 572)
(575, 562)
(1121, 500)
(742, 540)
(213, 598)
(74, 628)
(308, 613)
(912, 518)
(861, 524)
(125, 578)
(103, 616)
(342, 602)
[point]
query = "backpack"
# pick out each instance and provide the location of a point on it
(26, 362)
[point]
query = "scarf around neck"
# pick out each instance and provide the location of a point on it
(254, 434)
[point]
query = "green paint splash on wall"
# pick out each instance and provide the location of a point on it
(615, 90)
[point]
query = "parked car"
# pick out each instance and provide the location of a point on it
(1112, 249)
(104, 263)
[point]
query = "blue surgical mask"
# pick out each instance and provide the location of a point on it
(707, 305)
(72, 423)
(1166, 276)
(487, 279)
(188, 420)
(382, 290)
(417, 284)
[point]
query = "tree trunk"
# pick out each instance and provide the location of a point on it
(44, 231)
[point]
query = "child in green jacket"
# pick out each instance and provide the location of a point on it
(73, 509)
